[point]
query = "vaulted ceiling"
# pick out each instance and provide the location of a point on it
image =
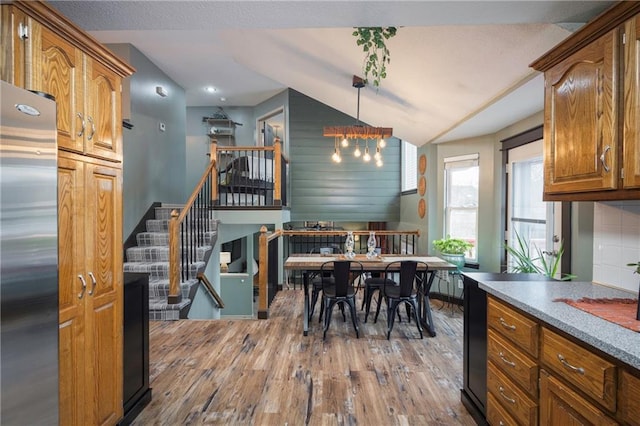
(458, 68)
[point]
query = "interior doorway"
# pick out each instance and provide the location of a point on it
(530, 220)
(271, 126)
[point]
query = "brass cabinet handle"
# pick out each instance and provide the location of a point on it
(93, 127)
(84, 287)
(505, 360)
(93, 283)
(564, 362)
(602, 158)
(81, 132)
(506, 325)
(501, 390)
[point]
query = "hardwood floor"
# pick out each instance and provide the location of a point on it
(265, 372)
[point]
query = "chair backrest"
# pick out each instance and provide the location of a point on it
(408, 274)
(344, 274)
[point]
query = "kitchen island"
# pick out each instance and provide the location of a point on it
(548, 361)
(537, 299)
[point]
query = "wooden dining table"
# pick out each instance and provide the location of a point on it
(310, 264)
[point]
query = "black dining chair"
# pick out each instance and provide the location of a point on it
(404, 292)
(316, 280)
(340, 290)
(372, 284)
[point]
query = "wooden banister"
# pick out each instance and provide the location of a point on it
(277, 173)
(175, 295)
(212, 291)
(179, 261)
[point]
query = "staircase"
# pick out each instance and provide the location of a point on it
(151, 255)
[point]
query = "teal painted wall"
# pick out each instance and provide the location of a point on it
(324, 190)
(154, 161)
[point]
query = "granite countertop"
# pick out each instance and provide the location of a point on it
(537, 298)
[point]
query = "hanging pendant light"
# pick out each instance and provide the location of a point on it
(343, 134)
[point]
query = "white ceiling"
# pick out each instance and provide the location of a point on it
(458, 68)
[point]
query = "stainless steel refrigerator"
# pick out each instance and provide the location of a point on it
(28, 258)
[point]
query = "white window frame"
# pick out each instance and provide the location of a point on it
(409, 153)
(461, 161)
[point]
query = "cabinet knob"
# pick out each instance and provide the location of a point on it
(506, 325)
(506, 360)
(504, 396)
(93, 283)
(81, 132)
(93, 127)
(573, 368)
(84, 287)
(603, 159)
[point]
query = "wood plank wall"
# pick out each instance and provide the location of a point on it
(324, 190)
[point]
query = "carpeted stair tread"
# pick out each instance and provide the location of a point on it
(161, 269)
(159, 253)
(147, 239)
(151, 256)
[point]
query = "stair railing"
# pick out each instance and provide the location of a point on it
(188, 230)
(391, 241)
(249, 176)
(212, 291)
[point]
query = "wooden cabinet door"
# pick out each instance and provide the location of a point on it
(103, 258)
(61, 75)
(580, 128)
(103, 112)
(631, 144)
(12, 56)
(72, 291)
(559, 405)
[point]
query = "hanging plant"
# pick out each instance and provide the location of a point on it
(377, 56)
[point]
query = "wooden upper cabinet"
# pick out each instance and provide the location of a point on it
(62, 77)
(580, 131)
(87, 94)
(43, 51)
(14, 35)
(591, 109)
(103, 112)
(631, 143)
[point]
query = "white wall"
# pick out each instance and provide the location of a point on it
(616, 242)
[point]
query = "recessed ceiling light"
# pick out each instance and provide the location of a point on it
(223, 99)
(211, 89)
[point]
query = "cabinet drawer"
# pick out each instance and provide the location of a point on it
(585, 370)
(514, 326)
(514, 400)
(629, 398)
(497, 415)
(513, 362)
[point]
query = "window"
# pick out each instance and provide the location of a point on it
(409, 167)
(462, 176)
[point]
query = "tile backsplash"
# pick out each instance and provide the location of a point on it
(616, 242)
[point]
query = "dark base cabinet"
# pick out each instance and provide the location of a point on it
(474, 392)
(137, 393)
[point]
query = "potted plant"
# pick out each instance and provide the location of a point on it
(526, 262)
(452, 249)
(377, 55)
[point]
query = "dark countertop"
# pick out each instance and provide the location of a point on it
(536, 299)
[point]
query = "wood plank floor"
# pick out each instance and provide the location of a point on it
(265, 372)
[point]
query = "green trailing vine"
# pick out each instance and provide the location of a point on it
(377, 56)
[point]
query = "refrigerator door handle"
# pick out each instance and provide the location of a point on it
(84, 286)
(81, 132)
(93, 283)
(93, 127)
